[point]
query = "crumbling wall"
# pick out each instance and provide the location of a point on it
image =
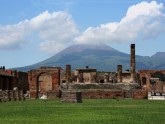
(106, 77)
(86, 75)
(148, 76)
(126, 77)
(11, 95)
(140, 94)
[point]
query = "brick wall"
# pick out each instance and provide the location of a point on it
(102, 94)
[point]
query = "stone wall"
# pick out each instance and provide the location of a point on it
(106, 90)
(11, 95)
(102, 94)
(108, 94)
(53, 94)
(106, 77)
(71, 96)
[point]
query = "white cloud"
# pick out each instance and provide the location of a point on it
(57, 30)
(11, 36)
(54, 31)
(144, 20)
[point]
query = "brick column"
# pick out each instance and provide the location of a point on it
(132, 64)
(68, 73)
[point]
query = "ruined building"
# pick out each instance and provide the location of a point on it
(53, 82)
(12, 83)
(89, 75)
(153, 80)
(44, 81)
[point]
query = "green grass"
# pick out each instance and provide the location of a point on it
(89, 112)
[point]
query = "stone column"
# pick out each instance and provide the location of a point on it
(68, 73)
(133, 64)
(148, 84)
(119, 73)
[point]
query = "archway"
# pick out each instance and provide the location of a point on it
(143, 81)
(44, 84)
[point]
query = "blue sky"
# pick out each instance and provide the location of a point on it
(34, 30)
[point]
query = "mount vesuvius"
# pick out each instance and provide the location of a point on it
(102, 57)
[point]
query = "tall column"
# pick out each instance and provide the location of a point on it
(119, 73)
(68, 73)
(133, 64)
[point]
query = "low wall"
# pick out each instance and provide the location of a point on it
(71, 96)
(53, 94)
(140, 94)
(101, 86)
(102, 94)
(109, 94)
(8, 95)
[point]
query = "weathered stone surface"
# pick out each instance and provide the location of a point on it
(102, 94)
(103, 86)
(71, 96)
(53, 94)
(11, 95)
(140, 94)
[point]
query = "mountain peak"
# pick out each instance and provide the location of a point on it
(82, 47)
(159, 55)
(100, 56)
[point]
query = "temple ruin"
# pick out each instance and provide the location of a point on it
(88, 83)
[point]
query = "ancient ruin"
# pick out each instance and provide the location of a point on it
(13, 84)
(44, 81)
(75, 85)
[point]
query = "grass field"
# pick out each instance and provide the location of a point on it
(89, 112)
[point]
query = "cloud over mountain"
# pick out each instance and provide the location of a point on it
(57, 30)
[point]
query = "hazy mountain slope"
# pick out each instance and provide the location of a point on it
(101, 57)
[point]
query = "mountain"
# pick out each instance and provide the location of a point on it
(159, 60)
(101, 57)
